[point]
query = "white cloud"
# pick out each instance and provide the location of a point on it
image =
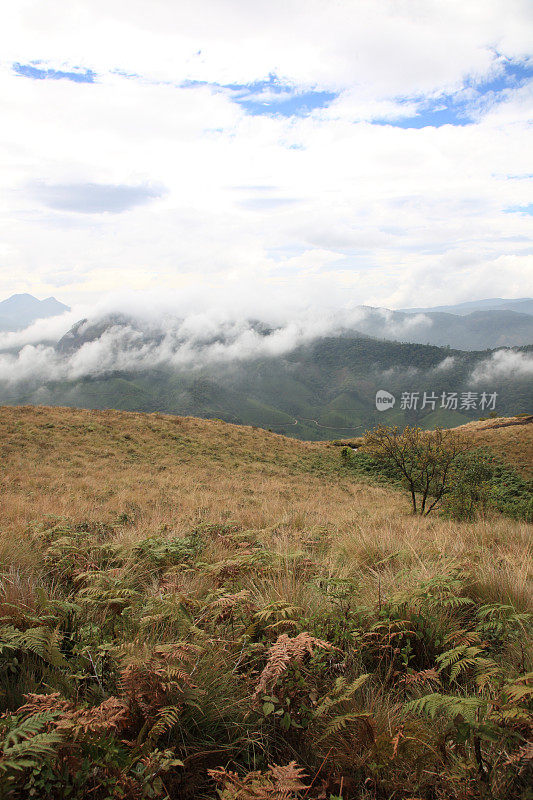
(504, 364)
(213, 337)
(398, 217)
(446, 364)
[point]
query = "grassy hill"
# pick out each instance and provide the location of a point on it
(185, 603)
(510, 437)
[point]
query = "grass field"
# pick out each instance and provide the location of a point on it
(186, 603)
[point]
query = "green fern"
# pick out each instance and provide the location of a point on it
(448, 706)
(41, 641)
(520, 690)
(28, 743)
(463, 658)
(342, 721)
(341, 696)
(502, 621)
(167, 719)
(168, 611)
(342, 692)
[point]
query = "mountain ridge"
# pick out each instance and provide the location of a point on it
(20, 310)
(521, 305)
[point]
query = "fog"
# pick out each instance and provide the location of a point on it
(504, 364)
(137, 331)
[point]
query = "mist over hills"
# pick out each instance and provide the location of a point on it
(473, 330)
(475, 325)
(523, 305)
(310, 379)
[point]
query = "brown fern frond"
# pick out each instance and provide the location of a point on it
(277, 783)
(288, 778)
(424, 676)
(38, 703)
(111, 714)
(521, 758)
(287, 650)
(148, 683)
(226, 601)
(463, 637)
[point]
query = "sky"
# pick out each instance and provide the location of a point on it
(334, 152)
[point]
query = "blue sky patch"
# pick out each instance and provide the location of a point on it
(527, 209)
(272, 97)
(462, 107)
(39, 74)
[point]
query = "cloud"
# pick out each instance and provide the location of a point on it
(398, 205)
(503, 365)
(382, 44)
(267, 203)
(195, 327)
(50, 329)
(446, 364)
(94, 198)
(190, 343)
(135, 332)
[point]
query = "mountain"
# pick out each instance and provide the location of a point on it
(523, 305)
(20, 310)
(319, 389)
(477, 330)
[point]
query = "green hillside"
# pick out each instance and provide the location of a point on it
(322, 390)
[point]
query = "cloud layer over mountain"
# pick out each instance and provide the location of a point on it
(142, 331)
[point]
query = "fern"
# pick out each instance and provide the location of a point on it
(520, 690)
(277, 783)
(42, 642)
(342, 693)
(449, 706)
(342, 721)
(463, 658)
(285, 651)
(279, 610)
(167, 719)
(29, 743)
(502, 621)
(166, 611)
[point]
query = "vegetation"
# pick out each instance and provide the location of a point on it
(428, 462)
(443, 470)
(323, 390)
(191, 610)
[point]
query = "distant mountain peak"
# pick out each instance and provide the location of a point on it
(521, 305)
(20, 310)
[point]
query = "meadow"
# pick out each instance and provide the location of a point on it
(191, 609)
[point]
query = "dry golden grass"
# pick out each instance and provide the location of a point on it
(172, 472)
(169, 474)
(303, 528)
(509, 437)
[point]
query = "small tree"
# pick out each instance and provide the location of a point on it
(470, 491)
(426, 461)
